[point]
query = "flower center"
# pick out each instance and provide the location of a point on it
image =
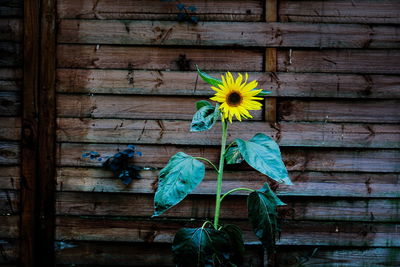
(234, 99)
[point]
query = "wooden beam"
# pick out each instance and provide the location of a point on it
(38, 135)
(271, 15)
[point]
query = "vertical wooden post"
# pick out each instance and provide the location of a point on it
(38, 135)
(271, 15)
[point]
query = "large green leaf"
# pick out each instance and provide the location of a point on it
(262, 153)
(202, 103)
(236, 238)
(263, 93)
(181, 175)
(205, 118)
(233, 156)
(207, 78)
(261, 206)
(197, 247)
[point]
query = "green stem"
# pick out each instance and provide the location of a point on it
(235, 190)
(220, 173)
(209, 162)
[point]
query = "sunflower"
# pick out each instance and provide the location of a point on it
(237, 98)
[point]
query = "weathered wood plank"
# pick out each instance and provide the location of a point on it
(10, 79)
(310, 159)
(138, 107)
(186, 83)
(10, 104)
(228, 34)
(11, 29)
(9, 202)
(293, 232)
(110, 253)
(9, 252)
(153, 58)
(317, 184)
(9, 226)
(292, 256)
(372, 111)
(230, 10)
(196, 206)
(10, 177)
(9, 153)
(11, 54)
(10, 128)
(340, 61)
(178, 132)
(11, 8)
(341, 11)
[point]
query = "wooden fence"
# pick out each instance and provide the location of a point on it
(81, 75)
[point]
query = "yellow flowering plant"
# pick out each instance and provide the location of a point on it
(216, 244)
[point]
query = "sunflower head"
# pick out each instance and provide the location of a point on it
(237, 97)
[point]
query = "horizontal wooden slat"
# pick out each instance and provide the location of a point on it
(291, 256)
(153, 58)
(10, 79)
(9, 153)
(228, 34)
(10, 29)
(10, 128)
(141, 254)
(9, 252)
(12, 8)
(140, 205)
(9, 177)
(342, 11)
(10, 104)
(340, 61)
(315, 184)
(9, 202)
(371, 111)
(293, 232)
(347, 160)
(11, 54)
(9, 226)
(137, 107)
(187, 83)
(248, 10)
(178, 132)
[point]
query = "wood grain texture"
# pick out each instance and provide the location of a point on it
(347, 257)
(11, 54)
(308, 184)
(296, 159)
(11, 29)
(225, 10)
(10, 128)
(228, 34)
(10, 104)
(186, 83)
(371, 111)
(108, 253)
(9, 202)
(152, 58)
(196, 206)
(10, 177)
(340, 11)
(293, 232)
(340, 61)
(178, 132)
(134, 107)
(9, 153)
(11, 8)
(10, 252)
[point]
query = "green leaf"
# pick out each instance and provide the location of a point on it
(263, 154)
(200, 247)
(236, 239)
(261, 207)
(207, 78)
(205, 118)
(202, 103)
(263, 93)
(181, 175)
(233, 156)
